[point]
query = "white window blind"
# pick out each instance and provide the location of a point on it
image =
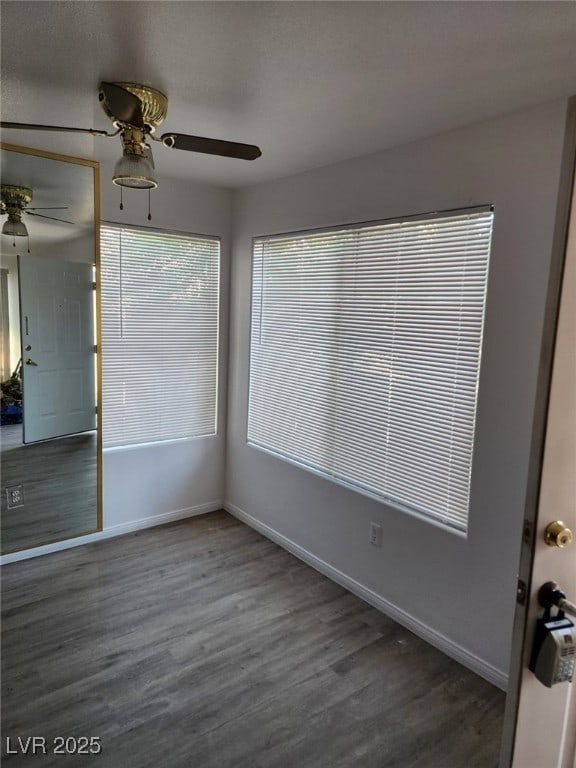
(160, 295)
(365, 355)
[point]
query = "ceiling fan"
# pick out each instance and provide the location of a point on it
(14, 201)
(136, 111)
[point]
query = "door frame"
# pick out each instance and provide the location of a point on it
(522, 635)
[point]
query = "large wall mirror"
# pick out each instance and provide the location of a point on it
(50, 436)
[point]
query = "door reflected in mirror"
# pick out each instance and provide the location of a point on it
(50, 437)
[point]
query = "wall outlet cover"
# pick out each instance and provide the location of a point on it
(376, 534)
(14, 496)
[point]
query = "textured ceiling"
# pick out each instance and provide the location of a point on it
(312, 83)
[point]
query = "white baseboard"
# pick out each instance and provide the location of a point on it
(495, 676)
(112, 531)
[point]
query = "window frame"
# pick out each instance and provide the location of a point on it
(217, 394)
(350, 485)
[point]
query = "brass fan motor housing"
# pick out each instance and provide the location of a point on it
(154, 104)
(15, 197)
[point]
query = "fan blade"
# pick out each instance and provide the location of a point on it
(34, 127)
(122, 104)
(52, 218)
(211, 146)
(49, 208)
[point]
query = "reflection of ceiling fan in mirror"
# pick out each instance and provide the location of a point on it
(14, 201)
(136, 111)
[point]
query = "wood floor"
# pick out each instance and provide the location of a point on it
(59, 480)
(202, 644)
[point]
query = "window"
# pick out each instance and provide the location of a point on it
(365, 355)
(160, 295)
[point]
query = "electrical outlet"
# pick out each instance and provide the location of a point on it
(376, 534)
(14, 496)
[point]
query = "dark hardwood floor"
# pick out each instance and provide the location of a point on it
(201, 644)
(59, 480)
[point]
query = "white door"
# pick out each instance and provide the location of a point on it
(58, 358)
(540, 727)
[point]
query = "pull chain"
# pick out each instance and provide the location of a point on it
(14, 242)
(122, 203)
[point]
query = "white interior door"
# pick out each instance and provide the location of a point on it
(58, 359)
(545, 728)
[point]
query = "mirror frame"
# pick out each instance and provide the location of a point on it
(4, 146)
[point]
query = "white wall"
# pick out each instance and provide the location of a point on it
(459, 592)
(154, 482)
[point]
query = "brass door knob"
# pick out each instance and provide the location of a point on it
(558, 535)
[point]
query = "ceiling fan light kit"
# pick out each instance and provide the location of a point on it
(14, 199)
(14, 227)
(135, 171)
(136, 166)
(136, 111)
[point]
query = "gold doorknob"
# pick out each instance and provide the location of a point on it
(558, 535)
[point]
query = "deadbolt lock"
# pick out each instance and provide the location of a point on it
(558, 535)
